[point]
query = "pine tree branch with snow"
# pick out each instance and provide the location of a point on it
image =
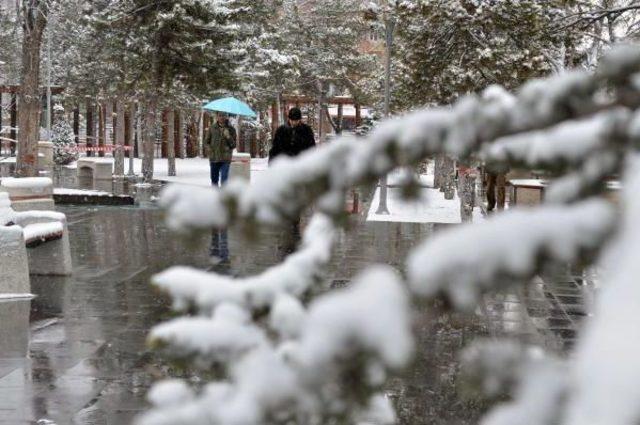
(328, 361)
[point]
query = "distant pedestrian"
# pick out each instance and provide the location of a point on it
(292, 138)
(496, 179)
(221, 140)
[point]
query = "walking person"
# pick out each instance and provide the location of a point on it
(496, 179)
(292, 138)
(221, 140)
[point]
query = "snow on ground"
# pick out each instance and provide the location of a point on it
(191, 171)
(431, 207)
(66, 191)
(4, 297)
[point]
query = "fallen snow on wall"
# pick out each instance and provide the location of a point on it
(26, 182)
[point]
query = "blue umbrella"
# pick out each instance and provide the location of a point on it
(230, 105)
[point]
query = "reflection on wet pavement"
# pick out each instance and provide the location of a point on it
(76, 353)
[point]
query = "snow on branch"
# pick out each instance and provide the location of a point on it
(538, 382)
(606, 372)
(295, 276)
(349, 339)
(327, 172)
(564, 145)
(469, 260)
(209, 341)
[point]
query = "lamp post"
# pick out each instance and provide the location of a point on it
(49, 34)
(389, 25)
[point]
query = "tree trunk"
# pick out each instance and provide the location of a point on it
(34, 19)
(179, 135)
(163, 146)
(171, 147)
(14, 123)
(274, 118)
(102, 128)
(148, 140)
(119, 124)
(91, 127)
(129, 137)
(358, 115)
(76, 124)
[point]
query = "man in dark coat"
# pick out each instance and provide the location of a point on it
(292, 138)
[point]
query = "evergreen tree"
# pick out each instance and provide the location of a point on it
(446, 49)
(63, 139)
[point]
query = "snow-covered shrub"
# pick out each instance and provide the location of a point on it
(63, 139)
(327, 362)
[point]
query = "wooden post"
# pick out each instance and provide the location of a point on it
(90, 127)
(76, 123)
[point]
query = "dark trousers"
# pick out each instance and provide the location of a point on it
(495, 183)
(219, 172)
(219, 247)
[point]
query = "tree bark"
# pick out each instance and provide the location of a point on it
(91, 127)
(102, 128)
(119, 124)
(171, 151)
(179, 134)
(76, 124)
(163, 146)
(14, 123)
(34, 19)
(148, 139)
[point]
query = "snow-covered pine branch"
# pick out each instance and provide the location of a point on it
(348, 342)
(295, 276)
(467, 261)
(330, 362)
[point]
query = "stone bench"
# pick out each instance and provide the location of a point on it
(97, 168)
(31, 242)
(531, 191)
(240, 166)
(526, 191)
(29, 193)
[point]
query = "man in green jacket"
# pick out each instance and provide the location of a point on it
(221, 140)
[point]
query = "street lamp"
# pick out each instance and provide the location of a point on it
(389, 25)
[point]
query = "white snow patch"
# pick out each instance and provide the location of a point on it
(430, 207)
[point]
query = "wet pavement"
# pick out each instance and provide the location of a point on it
(76, 353)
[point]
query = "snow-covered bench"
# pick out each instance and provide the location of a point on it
(526, 191)
(29, 193)
(98, 168)
(42, 235)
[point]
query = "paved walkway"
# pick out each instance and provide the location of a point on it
(76, 353)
